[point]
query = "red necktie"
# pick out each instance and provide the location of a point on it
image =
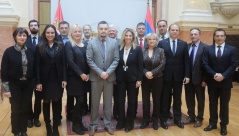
(141, 43)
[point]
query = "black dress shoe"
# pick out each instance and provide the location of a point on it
(119, 126)
(37, 123)
(128, 129)
(144, 125)
(17, 134)
(24, 134)
(210, 127)
(179, 124)
(190, 120)
(76, 128)
(155, 125)
(29, 123)
(164, 125)
(223, 131)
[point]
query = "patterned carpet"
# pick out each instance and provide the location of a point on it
(137, 122)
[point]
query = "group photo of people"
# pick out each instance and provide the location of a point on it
(115, 69)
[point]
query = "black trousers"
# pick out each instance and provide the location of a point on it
(21, 92)
(129, 88)
(155, 86)
(78, 109)
(191, 91)
(116, 101)
(169, 88)
(37, 106)
(224, 94)
(70, 103)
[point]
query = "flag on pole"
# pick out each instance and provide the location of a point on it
(149, 22)
(58, 16)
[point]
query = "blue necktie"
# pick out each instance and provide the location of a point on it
(34, 41)
(192, 55)
(174, 48)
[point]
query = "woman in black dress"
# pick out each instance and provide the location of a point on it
(154, 62)
(78, 76)
(17, 70)
(129, 74)
(50, 75)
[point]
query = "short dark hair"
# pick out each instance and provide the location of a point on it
(141, 23)
(162, 20)
(86, 25)
(219, 29)
(19, 30)
(33, 20)
(196, 29)
(174, 24)
(63, 22)
(102, 22)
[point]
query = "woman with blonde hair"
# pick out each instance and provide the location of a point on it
(78, 76)
(128, 78)
(154, 61)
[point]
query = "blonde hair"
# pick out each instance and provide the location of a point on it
(71, 31)
(153, 35)
(122, 41)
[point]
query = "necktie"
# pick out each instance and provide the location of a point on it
(219, 54)
(103, 48)
(34, 41)
(174, 48)
(192, 55)
(163, 37)
(141, 43)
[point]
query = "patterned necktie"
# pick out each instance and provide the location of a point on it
(34, 41)
(141, 43)
(192, 55)
(219, 53)
(174, 48)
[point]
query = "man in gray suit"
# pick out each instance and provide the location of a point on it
(102, 57)
(196, 86)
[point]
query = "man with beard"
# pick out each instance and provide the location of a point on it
(87, 34)
(102, 57)
(32, 40)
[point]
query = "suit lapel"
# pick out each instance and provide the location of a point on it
(200, 48)
(129, 56)
(168, 46)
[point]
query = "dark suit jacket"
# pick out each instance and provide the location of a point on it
(226, 65)
(60, 38)
(137, 42)
(76, 60)
(177, 67)
(29, 42)
(197, 72)
(44, 61)
(134, 63)
(11, 67)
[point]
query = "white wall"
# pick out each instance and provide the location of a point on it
(21, 8)
(122, 13)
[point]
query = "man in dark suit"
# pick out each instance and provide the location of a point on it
(87, 34)
(219, 61)
(64, 28)
(140, 39)
(197, 83)
(32, 40)
(176, 72)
